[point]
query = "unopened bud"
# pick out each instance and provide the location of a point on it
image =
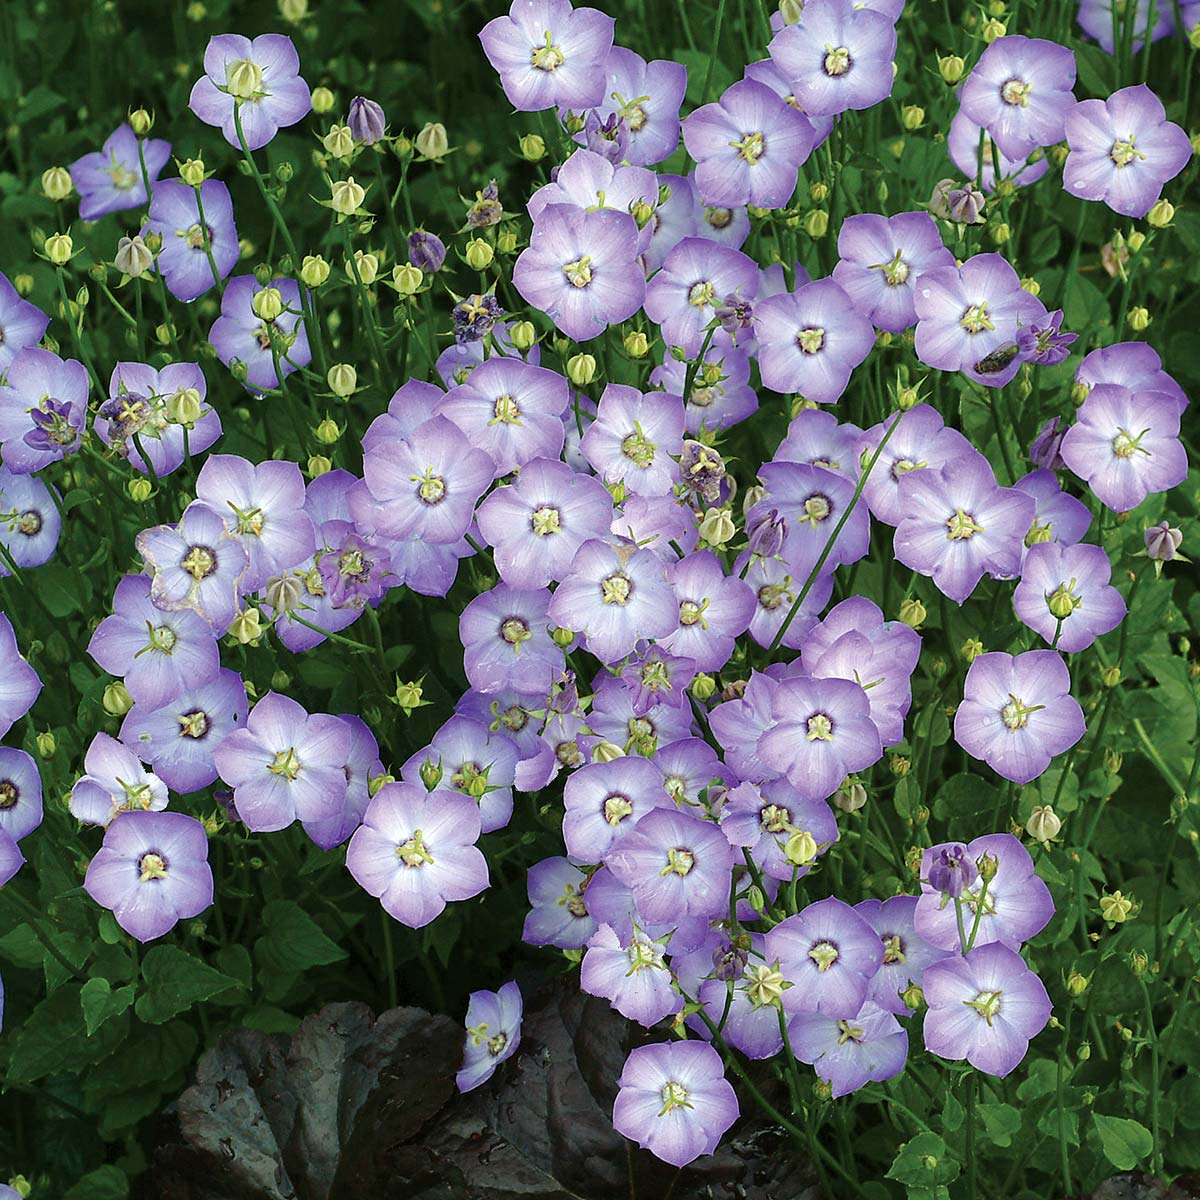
(141, 122)
(322, 100)
(994, 29)
(184, 406)
(717, 527)
(407, 279)
(581, 369)
(951, 68)
(139, 490)
(523, 335)
(46, 745)
(339, 142)
(346, 196)
(314, 270)
(1115, 908)
(562, 637)
(1077, 984)
(247, 626)
(637, 344)
(342, 379)
(913, 997)
(801, 849)
(410, 696)
(432, 141)
(284, 592)
(912, 613)
(816, 223)
(818, 192)
(533, 147)
(606, 751)
(912, 116)
(850, 797)
(1136, 240)
(116, 700)
(1110, 676)
(267, 304)
(1139, 318)
(479, 254)
(58, 248)
(365, 265)
(431, 774)
(1043, 824)
(704, 687)
(318, 464)
(133, 257)
(56, 183)
(971, 649)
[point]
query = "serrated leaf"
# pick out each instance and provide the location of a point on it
(174, 981)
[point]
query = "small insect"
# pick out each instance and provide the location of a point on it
(994, 363)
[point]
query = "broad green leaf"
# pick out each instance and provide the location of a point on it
(100, 1002)
(1124, 1142)
(174, 981)
(293, 941)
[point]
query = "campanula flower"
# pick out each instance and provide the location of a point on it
(110, 179)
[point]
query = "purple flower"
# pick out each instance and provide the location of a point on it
(160, 653)
(1059, 517)
(776, 590)
(115, 782)
(1134, 365)
(655, 522)
(1126, 445)
(645, 97)
(138, 403)
(362, 765)
(920, 441)
(110, 179)
(985, 1008)
(1096, 19)
(197, 564)
(950, 871)
(474, 318)
(820, 440)
(748, 147)
(354, 571)
(510, 410)
(613, 719)
(29, 520)
(152, 871)
(426, 250)
(677, 866)
(474, 761)
(493, 1034)
(655, 678)
(1042, 342)
(427, 483)
(822, 732)
(366, 120)
(674, 1100)
(269, 350)
(1123, 150)
(689, 766)
(1016, 905)
(905, 953)
(881, 259)
(20, 811)
(558, 914)
(263, 508)
(764, 822)
(837, 56)
(630, 973)
(968, 318)
(285, 764)
(21, 324)
(175, 217)
(43, 409)
(1163, 542)
(1020, 91)
(829, 954)
(695, 278)
(961, 525)
(614, 594)
(506, 642)
(415, 850)
(590, 181)
(721, 394)
(603, 802)
(850, 1052)
(633, 439)
(549, 55)
(538, 523)
(813, 501)
(964, 140)
(580, 269)
(1044, 450)
(1065, 595)
(714, 610)
(258, 80)
(810, 340)
(178, 739)
(1018, 712)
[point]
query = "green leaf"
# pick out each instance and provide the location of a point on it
(175, 980)
(105, 1183)
(924, 1162)
(1124, 1142)
(1000, 1121)
(100, 1002)
(953, 1114)
(293, 941)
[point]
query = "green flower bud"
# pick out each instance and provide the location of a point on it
(267, 303)
(407, 279)
(58, 248)
(346, 196)
(46, 745)
(342, 379)
(116, 700)
(523, 335)
(318, 464)
(314, 270)
(912, 613)
(479, 254)
(637, 344)
(581, 369)
(704, 687)
(533, 147)
(56, 183)
(141, 122)
(139, 490)
(432, 141)
(322, 100)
